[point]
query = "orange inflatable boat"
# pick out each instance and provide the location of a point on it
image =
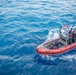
(46, 48)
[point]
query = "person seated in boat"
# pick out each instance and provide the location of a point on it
(70, 35)
(74, 36)
(57, 44)
(51, 46)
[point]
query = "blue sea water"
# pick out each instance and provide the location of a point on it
(24, 24)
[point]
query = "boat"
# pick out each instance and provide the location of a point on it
(44, 48)
(59, 45)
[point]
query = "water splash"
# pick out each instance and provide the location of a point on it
(53, 34)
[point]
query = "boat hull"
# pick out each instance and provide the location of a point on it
(45, 51)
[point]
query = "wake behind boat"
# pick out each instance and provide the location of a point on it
(66, 42)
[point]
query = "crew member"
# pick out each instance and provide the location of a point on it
(70, 36)
(51, 46)
(74, 36)
(57, 44)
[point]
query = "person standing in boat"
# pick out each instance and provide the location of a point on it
(63, 31)
(64, 35)
(74, 36)
(70, 35)
(60, 33)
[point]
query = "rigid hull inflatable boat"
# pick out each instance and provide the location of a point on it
(45, 49)
(66, 42)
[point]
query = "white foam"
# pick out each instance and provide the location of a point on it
(53, 34)
(47, 57)
(68, 57)
(5, 57)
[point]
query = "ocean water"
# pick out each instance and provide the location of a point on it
(24, 24)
